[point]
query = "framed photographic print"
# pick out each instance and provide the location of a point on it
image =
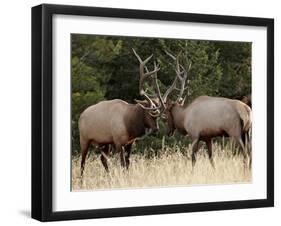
(146, 112)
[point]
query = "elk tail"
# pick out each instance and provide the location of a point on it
(245, 114)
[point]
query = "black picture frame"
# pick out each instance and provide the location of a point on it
(42, 111)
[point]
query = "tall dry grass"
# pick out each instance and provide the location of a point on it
(168, 168)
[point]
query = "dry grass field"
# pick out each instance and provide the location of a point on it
(168, 168)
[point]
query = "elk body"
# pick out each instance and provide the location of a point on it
(116, 122)
(113, 122)
(207, 117)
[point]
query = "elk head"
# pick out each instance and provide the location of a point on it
(150, 104)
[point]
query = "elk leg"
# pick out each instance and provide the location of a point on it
(248, 144)
(194, 148)
(244, 152)
(120, 149)
(84, 150)
(127, 154)
(210, 152)
(104, 156)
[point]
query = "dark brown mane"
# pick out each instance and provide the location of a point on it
(134, 121)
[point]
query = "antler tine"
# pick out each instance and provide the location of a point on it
(147, 74)
(144, 74)
(170, 89)
(142, 63)
(182, 80)
(181, 75)
(182, 87)
(142, 66)
(154, 107)
(158, 89)
(171, 55)
(154, 72)
(183, 72)
(173, 86)
(139, 59)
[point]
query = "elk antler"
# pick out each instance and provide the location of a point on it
(174, 84)
(181, 75)
(143, 77)
(158, 92)
(183, 79)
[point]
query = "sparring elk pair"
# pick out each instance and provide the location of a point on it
(119, 123)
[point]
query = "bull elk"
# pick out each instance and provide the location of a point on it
(116, 122)
(206, 117)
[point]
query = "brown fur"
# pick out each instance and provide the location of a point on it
(247, 100)
(207, 117)
(113, 122)
(135, 122)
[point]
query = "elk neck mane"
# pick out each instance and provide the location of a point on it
(134, 121)
(178, 113)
